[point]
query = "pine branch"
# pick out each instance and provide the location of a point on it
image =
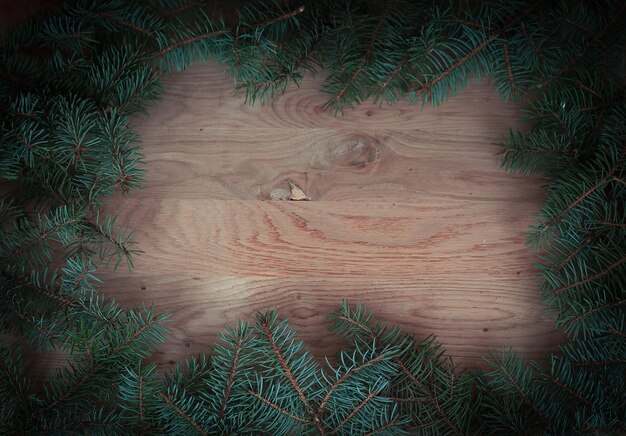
(277, 407)
(170, 402)
(432, 398)
(585, 244)
(231, 377)
(227, 30)
(595, 310)
(596, 186)
(590, 278)
(345, 377)
(396, 71)
(356, 410)
(283, 362)
(368, 52)
(29, 285)
(446, 72)
(190, 40)
(43, 235)
(521, 392)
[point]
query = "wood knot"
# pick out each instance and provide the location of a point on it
(289, 185)
(354, 152)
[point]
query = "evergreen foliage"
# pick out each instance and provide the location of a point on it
(70, 81)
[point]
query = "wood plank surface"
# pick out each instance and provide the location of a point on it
(410, 214)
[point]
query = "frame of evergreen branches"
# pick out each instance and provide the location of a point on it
(70, 81)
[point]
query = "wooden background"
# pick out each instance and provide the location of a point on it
(410, 214)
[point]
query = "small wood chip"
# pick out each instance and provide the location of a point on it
(297, 194)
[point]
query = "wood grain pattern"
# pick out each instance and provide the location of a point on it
(410, 214)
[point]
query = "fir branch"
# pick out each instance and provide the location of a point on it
(368, 52)
(595, 430)
(521, 392)
(446, 72)
(43, 235)
(563, 127)
(29, 285)
(590, 312)
(108, 237)
(396, 71)
(469, 23)
(283, 362)
(590, 278)
(432, 398)
(192, 39)
(277, 407)
(618, 99)
(170, 402)
(361, 326)
(357, 409)
(534, 46)
(19, 81)
(48, 159)
(76, 384)
(346, 376)
(151, 322)
(231, 376)
(585, 244)
(593, 188)
(612, 224)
